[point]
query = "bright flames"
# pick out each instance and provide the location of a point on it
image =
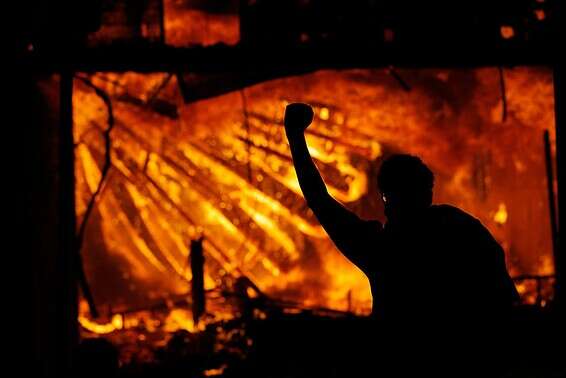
(500, 216)
(221, 167)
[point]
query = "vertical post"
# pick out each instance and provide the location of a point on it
(551, 197)
(46, 187)
(197, 283)
(67, 284)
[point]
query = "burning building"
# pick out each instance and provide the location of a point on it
(220, 167)
(187, 143)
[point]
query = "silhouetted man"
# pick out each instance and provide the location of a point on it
(429, 265)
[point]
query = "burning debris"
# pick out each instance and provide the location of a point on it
(175, 206)
(220, 167)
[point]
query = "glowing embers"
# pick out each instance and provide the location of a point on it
(500, 216)
(507, 32)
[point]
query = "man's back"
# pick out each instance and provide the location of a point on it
(440, 265)
(441, 296)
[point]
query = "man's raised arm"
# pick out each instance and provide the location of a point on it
(343, 226)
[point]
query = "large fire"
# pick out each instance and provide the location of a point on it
(221, 168)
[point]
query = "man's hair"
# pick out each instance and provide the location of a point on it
(404, 174)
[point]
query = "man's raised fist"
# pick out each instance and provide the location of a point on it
(298, 116)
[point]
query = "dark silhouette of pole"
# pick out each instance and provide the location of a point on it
(66, 304)
(551, 198)
(197, 283)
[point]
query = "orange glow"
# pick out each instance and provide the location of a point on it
(251, 293)
(507, 32)
(324, 114)
(500, 216)
(185, 26)
(212, 172)
(179, 319)
(101, 328)
(214, 372)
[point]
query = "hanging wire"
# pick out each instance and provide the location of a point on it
(107, 157)
(92, 202)
(393, 72)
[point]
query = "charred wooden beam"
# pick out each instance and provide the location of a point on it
(222, 59)
(197, 283)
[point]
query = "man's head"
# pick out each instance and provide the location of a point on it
(405, 183)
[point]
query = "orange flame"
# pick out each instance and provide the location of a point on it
(213, 171)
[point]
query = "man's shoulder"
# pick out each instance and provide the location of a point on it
(452, 214)
(473, 240)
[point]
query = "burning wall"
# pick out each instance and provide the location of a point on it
(220, 167)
